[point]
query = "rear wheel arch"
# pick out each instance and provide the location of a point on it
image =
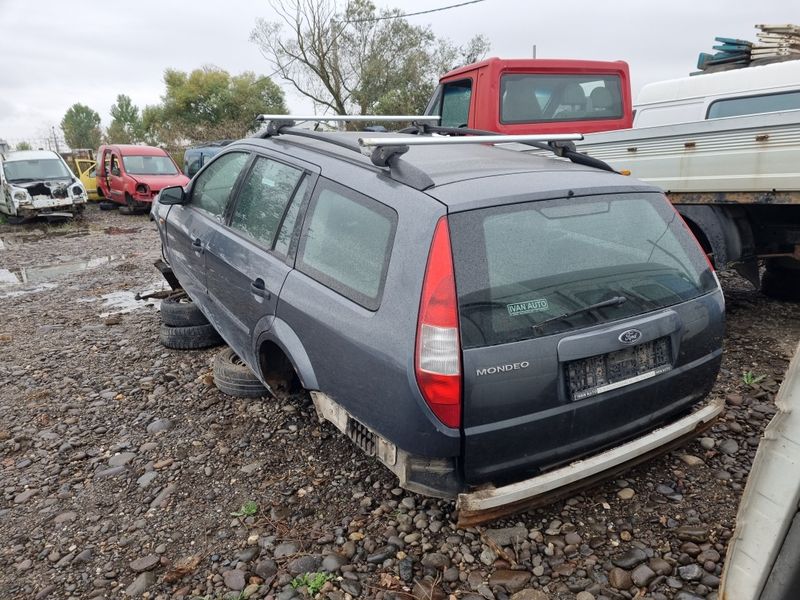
(281, 354)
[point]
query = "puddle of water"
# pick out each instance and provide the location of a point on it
(42, 273)
(15, 293)
(11, 239)
(123, 302)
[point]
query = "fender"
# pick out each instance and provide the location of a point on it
(286, 339)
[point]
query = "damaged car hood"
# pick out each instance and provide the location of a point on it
(51, 188)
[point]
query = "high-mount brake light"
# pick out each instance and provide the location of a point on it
(437, 361)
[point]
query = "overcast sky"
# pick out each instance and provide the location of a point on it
(54, 53)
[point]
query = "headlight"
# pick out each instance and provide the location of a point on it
(77, 190)
(21, 196)
(142, 188)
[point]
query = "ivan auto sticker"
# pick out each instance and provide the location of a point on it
(529, 306)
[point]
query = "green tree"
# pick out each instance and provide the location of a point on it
(81, 127)
(126, 124)
(208, 104)
(24, 146)
(357, 59)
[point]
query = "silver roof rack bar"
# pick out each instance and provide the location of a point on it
(349, 118)
(418, 140)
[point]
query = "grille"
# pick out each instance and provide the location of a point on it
(361, 436)
(604, 372)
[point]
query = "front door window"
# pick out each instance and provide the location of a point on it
(213, 188)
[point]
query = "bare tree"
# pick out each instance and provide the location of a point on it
(356, 59)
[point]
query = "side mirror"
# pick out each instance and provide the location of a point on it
(172, 195)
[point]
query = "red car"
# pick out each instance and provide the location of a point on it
(134, 175)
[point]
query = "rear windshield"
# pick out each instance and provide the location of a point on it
(522, 270)
(149, 165)
(541, 98)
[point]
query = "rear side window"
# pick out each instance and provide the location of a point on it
(752, 105)
(521, 269)
(284, 241)
(542, 98)
(346, 244)
(262, 200)
(456, 97)
(213, 187)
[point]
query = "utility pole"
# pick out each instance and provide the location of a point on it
(55, 139)
(534, 51)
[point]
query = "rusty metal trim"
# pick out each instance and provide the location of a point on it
(488, 504)
(772, 197)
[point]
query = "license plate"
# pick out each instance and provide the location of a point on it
(605, 372)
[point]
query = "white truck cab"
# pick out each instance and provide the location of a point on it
(39, 183)
(737, 92)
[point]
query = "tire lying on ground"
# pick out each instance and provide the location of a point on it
(234, 378)
(106, 205)
(189, 338)
(781, 280)
(178, 310)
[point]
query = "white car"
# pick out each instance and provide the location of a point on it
(39, 183)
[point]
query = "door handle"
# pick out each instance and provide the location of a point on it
(258, 288)
(197, 244)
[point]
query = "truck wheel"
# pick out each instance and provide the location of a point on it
(106, 205)
(178, 310)
(234, 378)
(781, 280)
(189, 338)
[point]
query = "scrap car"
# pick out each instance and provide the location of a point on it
(39, 183)
(132, 175)
(489, 324)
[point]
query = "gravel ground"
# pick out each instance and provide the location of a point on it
(122, 468)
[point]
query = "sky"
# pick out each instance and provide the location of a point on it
(54, 53)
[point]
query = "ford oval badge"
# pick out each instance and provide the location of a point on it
(630, 336)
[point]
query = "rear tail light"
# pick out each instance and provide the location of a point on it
(437, 362)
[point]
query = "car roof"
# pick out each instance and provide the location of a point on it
(451, 165)
(31, 155)
(135, 150)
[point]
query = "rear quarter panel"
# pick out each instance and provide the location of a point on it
(364, 360)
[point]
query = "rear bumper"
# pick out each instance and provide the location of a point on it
(494, 502)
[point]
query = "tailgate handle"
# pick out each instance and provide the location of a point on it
(259, 289)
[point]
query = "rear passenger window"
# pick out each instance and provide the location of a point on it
(262, 201)
(284, 240)
(347, 244)
(213, 188)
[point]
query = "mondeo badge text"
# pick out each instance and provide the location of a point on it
(502, 368)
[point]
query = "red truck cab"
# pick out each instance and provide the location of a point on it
(133, 175)
(515, 96)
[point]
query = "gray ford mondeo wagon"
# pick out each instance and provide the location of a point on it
(488, 323)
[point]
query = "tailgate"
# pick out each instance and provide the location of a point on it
(538, 403)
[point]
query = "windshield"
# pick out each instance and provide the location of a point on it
(530, 270)
(40, 169)
(149, 165)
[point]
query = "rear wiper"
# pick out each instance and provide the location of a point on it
(614, 301)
